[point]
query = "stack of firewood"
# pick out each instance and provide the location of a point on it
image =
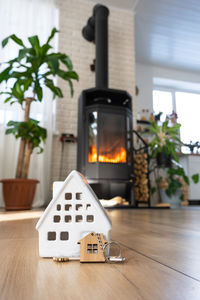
(141, 188)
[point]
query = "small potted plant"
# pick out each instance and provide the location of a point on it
(165, 143)
(25, 77)
(170, 178)
(172, 185)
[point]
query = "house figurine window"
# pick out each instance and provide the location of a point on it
(92, 248)
(68, 196)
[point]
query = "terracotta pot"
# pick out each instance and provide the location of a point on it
(18, 193)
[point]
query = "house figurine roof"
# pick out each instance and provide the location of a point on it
(91, 234)
(80, 180)
(73, 213)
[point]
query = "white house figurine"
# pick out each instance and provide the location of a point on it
(73, 213)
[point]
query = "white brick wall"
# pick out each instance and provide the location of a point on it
(73, 16)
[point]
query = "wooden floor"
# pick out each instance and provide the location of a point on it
(162, 250)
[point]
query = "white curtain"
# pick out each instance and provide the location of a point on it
(26, 18)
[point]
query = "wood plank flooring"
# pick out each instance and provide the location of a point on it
(162, 250)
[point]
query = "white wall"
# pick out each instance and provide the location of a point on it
(144, 80)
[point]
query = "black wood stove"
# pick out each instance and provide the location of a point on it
(104, 153)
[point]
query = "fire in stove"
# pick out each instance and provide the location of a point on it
(119, 156)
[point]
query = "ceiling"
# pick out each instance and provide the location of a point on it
(167, 33)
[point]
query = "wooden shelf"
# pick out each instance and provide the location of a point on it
(143, 122)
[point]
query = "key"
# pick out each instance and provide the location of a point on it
(115, 259)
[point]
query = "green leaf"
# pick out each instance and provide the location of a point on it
(17, 92)
(44, 49)
(73, 75)
(4, 75)
(67, 62)
(8, 99)
(53, 63)
(153, 190)
(165, 126)
(34, 41)
(186, 179)
(56, 90)
(195, 178)
(38, 90)
(10, 131)
(5, 42)
(14, 38)
(23, 53)
(71, 87)
(53, 32)
(18, 88)
(10, 123)
(27, 83)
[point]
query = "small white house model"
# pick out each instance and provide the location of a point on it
(73, 213)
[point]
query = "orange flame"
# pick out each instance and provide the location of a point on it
(119, 157)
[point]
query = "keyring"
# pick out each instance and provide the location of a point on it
(110, 259)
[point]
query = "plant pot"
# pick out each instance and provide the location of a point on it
(174, 200)
(163, 160)
(18, 193)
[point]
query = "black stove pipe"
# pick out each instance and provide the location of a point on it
(101, 39)
(96, 31)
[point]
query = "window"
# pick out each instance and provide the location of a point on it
(68, 219)
(56, 219)
(79, 218)
(88, 206)
(187, 107)
(92, 248)
(68, 196)
(58, 207)
(68, 206)
(64, 236)
(90, 218)
(78, 196)
(51, 236)
(79, 206)
(162, 102)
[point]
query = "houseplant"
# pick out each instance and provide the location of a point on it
(165, 142)
(172, 183)
(170, 177)
(25, 77)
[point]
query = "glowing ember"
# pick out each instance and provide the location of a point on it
(117, 157)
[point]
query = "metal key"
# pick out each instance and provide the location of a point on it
(115, 258)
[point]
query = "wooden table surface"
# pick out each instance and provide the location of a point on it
(162, 250)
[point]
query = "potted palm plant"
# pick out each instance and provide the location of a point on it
(25, 77)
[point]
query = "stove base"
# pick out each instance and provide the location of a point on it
(108, 189)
